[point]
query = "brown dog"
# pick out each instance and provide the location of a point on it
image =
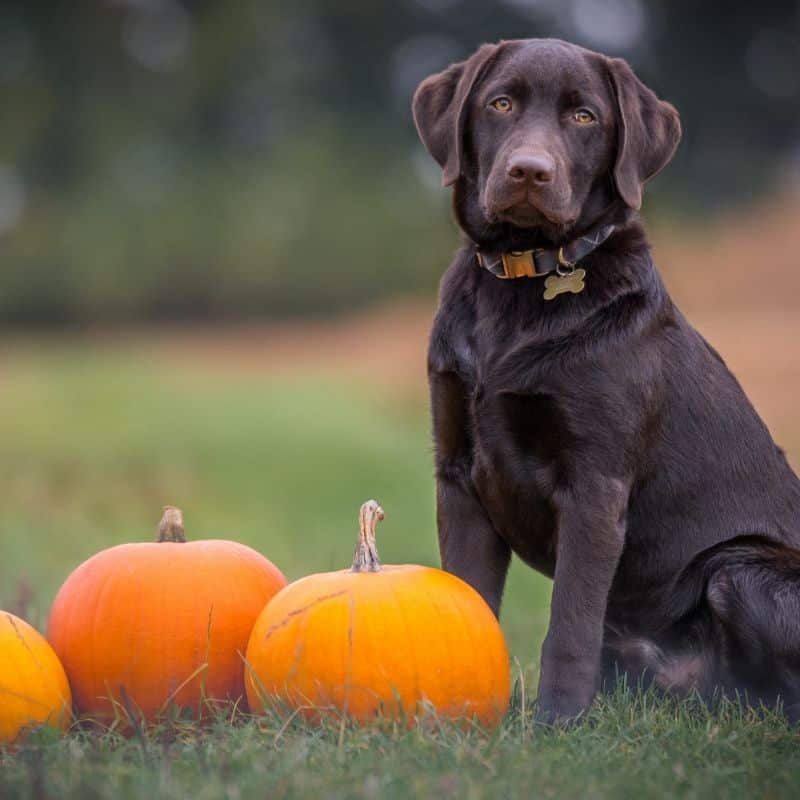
(579, 420)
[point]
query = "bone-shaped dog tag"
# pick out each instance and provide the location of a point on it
(556, 284)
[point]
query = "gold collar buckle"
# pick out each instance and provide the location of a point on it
(520, 264)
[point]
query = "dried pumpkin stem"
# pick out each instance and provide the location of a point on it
(170, 529)
(366, 557)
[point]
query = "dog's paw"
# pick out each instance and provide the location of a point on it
(559, 710)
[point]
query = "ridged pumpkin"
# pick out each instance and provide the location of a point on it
(160, 623)
(379, 641)
(33, 687)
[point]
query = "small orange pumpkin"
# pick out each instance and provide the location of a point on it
(155, 624)
(376, 640)
(33, 686)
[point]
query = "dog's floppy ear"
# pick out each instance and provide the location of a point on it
(649, 130)
(440, 107)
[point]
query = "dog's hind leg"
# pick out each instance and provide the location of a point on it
(754, 602)
(743, 637)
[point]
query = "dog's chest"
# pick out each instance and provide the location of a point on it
(519, 428)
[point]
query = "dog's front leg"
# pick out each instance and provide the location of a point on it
(591, 535)
(468, 543)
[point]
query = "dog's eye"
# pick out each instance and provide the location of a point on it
(501, 104)
(584, 117)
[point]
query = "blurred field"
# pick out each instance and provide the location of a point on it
(273, 435)
(98, 436)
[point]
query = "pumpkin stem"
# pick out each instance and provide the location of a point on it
(170, 529)
(366, 557)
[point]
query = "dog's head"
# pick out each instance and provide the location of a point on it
(540, 136)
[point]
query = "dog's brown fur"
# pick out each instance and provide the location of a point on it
(597, 436)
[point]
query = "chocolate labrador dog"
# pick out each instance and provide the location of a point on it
(579, 420)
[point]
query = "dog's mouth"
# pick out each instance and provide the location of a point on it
(526, 213)
(523, 215)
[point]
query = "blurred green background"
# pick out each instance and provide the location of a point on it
(220, 242)
(163, 159)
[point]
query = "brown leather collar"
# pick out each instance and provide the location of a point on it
(542, 261)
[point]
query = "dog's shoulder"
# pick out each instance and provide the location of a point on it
(449, 346)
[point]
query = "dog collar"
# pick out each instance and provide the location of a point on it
(559, 264)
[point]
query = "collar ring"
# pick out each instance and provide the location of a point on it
(564, 266)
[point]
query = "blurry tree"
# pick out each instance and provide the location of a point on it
(204, 159)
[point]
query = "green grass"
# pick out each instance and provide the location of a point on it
(96, 440)
(632, 745)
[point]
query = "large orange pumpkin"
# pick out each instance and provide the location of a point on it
(33, 687)
(379, 640)
(160, 623)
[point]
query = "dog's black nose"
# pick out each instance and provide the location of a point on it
(533, 168)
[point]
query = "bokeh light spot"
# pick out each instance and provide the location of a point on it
(158, 36)
(773, 62)
(616, 24)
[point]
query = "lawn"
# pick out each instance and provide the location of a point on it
(97, 437)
